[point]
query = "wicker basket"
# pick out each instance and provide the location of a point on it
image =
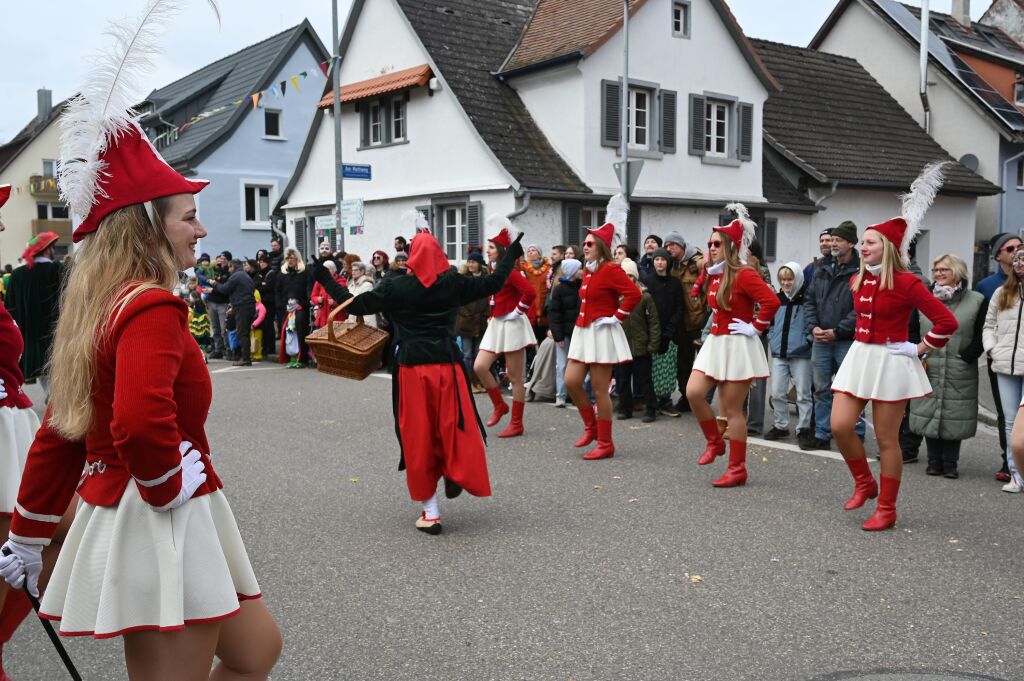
(348, 349)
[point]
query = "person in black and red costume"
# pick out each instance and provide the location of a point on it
(883, 367)
(733, 354)
(508, 333)
(154, 554)
(436, 422)
(607, 296)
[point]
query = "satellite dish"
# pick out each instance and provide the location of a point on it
(969, 161)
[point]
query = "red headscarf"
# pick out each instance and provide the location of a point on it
(426, 259)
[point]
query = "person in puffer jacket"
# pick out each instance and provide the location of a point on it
(791, 356)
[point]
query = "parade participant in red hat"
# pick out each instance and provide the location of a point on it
(607, 296)
(508, 333)
(18, 424)
(439, 431)
(154, 554)
(883, 367)
(733, 354)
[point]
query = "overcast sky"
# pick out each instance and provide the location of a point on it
(48, 44)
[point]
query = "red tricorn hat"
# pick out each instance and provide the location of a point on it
(39, 243)
(134, 173)
(893, 229)
(5, 192)
(605, 233)
(734, 230)
(504, 228)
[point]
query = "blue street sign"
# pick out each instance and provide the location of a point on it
(355, 171)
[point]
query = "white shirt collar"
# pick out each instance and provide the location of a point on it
(716, 269)
(873, 269)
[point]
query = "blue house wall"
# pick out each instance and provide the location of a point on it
(1012, 214)
(247, 156)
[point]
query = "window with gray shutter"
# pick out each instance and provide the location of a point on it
(611, 113)
(364, 126)
(667, 101)
(633, 226)
(474, 222)
(300, 236)
(745, 142)
(572, 219)
(696, 146)
(428, 213)
(771, 230)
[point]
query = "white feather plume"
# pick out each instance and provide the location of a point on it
(103, 108)
(749, 228)
(617, 213)
(415, 221)
(918, 200)
(497, 222)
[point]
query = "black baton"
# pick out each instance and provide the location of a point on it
(54, 638)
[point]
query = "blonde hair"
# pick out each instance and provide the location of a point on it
(891, 262)
(123, 258)
(956, 263)
(1009, 292)
(288, 252)
(732, 266)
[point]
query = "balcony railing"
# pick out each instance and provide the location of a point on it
(61, 227)
(42, 186)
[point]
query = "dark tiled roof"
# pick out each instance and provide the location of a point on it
(837, 123)
(468, 40)
(948, 28)
(777, 190)
(10, 150)
(226, 80)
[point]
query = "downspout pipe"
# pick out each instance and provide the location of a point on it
(525, 195)
(826, 197)
(925, 34)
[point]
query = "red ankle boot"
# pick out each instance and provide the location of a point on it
(3, 674)
(16, 608)
(736, 473)
(716, 445)
(500, 408)
(515, 425)
(589, 427)
(864, 486)
(605, 448)
(885, 514)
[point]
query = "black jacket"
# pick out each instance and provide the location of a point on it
(238, 288)
(266, 284)
(424, 318)
(828, 301)
(563, 309)
(294, 284)
(669, 298)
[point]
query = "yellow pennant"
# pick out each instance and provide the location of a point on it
(295, 82)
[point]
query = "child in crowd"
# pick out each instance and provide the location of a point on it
(231, 326)
(256, 337)
(199, 320)
(791, 356)
(643, 331)
(290, 337)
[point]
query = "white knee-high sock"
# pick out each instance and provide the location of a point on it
(430, 508)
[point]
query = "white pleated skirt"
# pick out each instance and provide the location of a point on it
(129, 568)
(605, 344)
(871, 372)
(17, 430)
(508, 335)
(732, 358)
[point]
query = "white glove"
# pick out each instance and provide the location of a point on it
(3, 393)
(742, 328)
(905, 348)
(20, 562)
(605, 321)
(192, 476)
(512, 316)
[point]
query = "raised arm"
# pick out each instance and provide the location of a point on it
(474, 288)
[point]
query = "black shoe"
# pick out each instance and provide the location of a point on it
(451, 490)
(623, 415)
(813, 443)
(909, 457)
(650, 416)
(951, 474)
(776, 434)
(216, 355)
(242, 363)
(934, 469)
(682, 405)
(669, 410)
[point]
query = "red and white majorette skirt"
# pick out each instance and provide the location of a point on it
(604, 344)
(17, 430)
(732, 358)
(508, 335)
(129, 568)
(871, 372)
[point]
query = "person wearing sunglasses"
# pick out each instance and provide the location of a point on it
(509, 332)
(607, 297)
(733, 355)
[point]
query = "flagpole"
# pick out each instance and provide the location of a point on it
(339, 191)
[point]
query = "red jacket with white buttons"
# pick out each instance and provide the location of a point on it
(601, 291)
(748, 289)
(151, 391)
(516, 294)
(883, 316)
(11, 347)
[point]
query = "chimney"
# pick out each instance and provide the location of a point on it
(962, 12)
(45, 99)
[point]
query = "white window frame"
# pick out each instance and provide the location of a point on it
(1020, 174)
(55, 164)
(462, 227)
(257, 224)
(377, 107)
(50, 205)
(682, 16)
(717, 111)
(592, 217)
(399, 104)
(280, 124)
(1018, 93)
(648, 111)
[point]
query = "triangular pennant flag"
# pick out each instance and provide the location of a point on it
(255, 100)
(295, 82)
(304, 74)
(273, 89)
(323, 67)
(284, 87)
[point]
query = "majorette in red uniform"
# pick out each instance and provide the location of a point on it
(508, 333)
(607, 296)
(882, 366)
(733, 355)
(154, 546)
(18, 425)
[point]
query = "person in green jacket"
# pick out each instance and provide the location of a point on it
(643, 331)
(439, 431)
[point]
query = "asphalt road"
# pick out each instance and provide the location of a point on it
(629, 568)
